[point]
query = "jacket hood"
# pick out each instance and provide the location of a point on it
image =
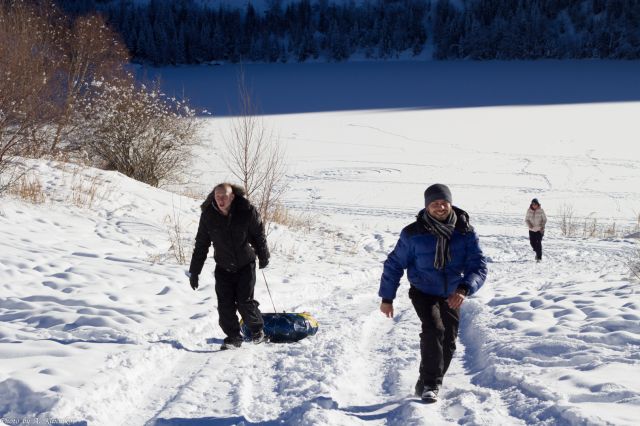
(237, 190)
(463, 224)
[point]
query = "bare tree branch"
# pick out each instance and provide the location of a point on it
(255, 156)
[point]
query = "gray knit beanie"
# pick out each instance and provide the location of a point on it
(437, 191)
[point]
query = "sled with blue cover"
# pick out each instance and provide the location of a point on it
(285, 327)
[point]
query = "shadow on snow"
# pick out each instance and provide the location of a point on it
(386, 410)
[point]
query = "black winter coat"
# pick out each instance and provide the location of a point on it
(236, 238)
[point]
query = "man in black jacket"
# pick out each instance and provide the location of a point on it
(234, 228)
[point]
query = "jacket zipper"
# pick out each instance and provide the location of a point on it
(446, 280)
(233, 249)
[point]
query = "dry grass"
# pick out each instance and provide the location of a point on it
(28, 188)
(572, 226)
(80, 189)
(190, 193)
(568, 224)
(86, 190)
(611, 230)
(633, 262)
(176, 238)
(180, 240)
(590, 227)
(155, 258)
(282, 216)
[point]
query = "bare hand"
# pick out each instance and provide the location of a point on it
(387, 309)
(455, 300)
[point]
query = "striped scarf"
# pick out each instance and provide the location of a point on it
(443, 232)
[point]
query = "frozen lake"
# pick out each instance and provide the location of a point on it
(322, 87)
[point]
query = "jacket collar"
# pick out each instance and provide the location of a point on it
(462, 224)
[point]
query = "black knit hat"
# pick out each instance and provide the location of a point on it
(535, 201)
(435, 192)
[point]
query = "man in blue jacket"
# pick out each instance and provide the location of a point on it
(444, 264)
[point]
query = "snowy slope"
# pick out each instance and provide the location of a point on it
(98, 324)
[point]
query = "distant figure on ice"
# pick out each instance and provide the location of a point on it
(444, 264)
(536, 220)
(234, 227)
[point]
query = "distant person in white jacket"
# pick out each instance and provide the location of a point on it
(536, 221)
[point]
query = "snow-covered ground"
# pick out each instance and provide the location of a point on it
(98, 324)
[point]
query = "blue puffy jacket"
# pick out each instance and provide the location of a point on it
(415, 252)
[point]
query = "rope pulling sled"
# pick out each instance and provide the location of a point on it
(284, 327)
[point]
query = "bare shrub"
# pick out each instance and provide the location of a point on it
(138, 131)
(63, 86)
(92, 52)
(46, 62)
(255, 156)
(11, 171)
(29, 57)
(567, 220)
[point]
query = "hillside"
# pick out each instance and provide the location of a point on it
(99, 324)
(193, 32)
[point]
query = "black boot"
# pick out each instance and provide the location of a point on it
(430, 394)
(419, 388)
(231, 343)
(258, 337)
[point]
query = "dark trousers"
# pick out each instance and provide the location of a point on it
(235, 293)
(438, 338)
(535, 238)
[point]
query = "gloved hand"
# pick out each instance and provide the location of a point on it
(193, 280)
(262, 263)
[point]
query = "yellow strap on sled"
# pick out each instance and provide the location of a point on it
(308, 317)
